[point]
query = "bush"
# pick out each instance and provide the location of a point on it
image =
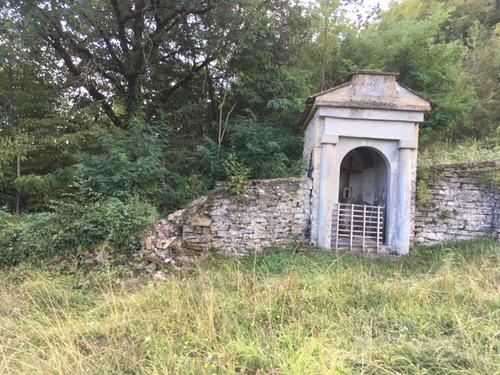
(265, 148)
(237, 173)
(72, 228)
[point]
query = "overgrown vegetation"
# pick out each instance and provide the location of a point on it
(426, 177)
(433, 312)
(451, 152)
(153, 100)
(237, 174)
(446, 152)
(73, 229)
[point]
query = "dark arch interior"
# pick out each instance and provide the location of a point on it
(363, 178)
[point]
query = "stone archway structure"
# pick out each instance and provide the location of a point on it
(371, 110)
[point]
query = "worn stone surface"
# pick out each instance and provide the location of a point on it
(370, 112)
(268, 213)
(466, 205)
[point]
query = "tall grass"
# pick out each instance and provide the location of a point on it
(466, 151)
(435, 312)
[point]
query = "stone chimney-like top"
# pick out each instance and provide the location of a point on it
(368, 89)
(373, 83)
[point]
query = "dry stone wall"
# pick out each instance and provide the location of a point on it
(267, 213)
(465, 204)
(272, 213)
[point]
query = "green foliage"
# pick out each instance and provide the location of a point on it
(469, 109)
(425, 197)
(237, 173)
(426, 177)
(483, 65)
(211, 161)
(268, 149)
(278, 93)
(449, 152)
(493, 178)
(425, 63)
(445, 215)
(70, 229)
(130, 164)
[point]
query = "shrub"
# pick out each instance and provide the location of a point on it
(71, 228)
(237, 173)
(268, 149)
(426, 176)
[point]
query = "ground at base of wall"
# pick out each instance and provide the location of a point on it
(179, 259)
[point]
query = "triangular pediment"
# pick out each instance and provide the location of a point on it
(371, 90)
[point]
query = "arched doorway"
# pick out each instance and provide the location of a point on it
(359, 218)
(363, 177)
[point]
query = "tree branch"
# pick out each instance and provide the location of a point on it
(192, 73)
(91, 88)
(109, 46)
(120, 21)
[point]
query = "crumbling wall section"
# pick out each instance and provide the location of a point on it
(266, 214)
(465, 204)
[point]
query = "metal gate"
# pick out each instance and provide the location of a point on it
(358, 227)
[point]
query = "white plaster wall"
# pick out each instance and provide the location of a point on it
(371, 114)
(369, 129)
(312, 148)
(311, 138)
(372, 110)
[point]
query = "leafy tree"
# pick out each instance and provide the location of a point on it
(110, 47)
(471, 108)
(33, 134)
(120, 51)
(483, 67)
(424, 62)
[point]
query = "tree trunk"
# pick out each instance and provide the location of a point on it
(18, 192)
(133, 104)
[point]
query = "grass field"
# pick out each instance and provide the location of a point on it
(434, 312)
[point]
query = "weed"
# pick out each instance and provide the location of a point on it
(445, 215)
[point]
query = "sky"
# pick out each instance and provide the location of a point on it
(384, 4)
(367, 5)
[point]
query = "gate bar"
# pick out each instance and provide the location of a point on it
(378, 227)
(352, 224)
(364, 225)
(337, 228)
